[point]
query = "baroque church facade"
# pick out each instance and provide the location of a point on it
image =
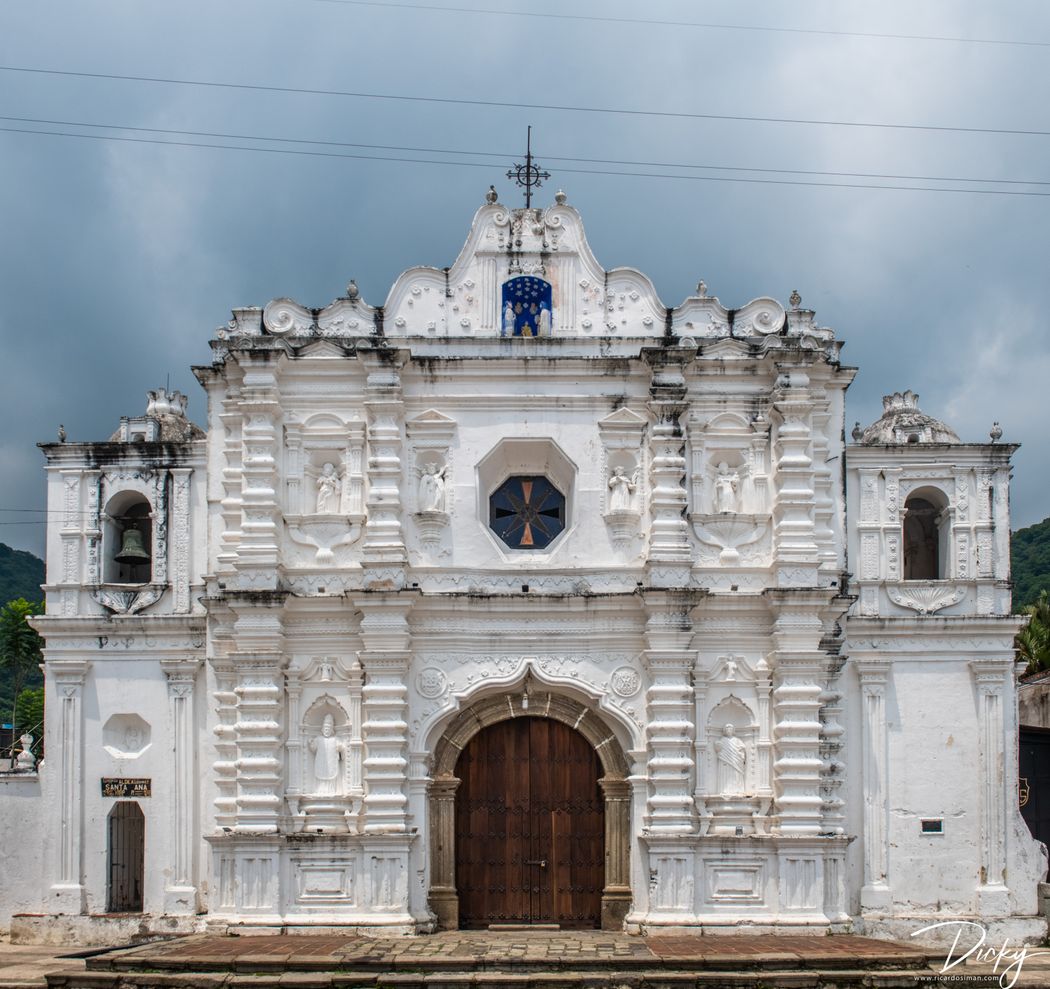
(525, 598)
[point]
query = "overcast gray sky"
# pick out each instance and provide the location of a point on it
(119, 258)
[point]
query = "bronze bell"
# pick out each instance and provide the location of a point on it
(132, 550)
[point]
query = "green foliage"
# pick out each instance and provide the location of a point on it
(29, 711)
(20, 645)
(21, 574)
(1030, 563)
(1033, 641)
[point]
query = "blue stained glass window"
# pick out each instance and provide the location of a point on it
(527, 512)
(526, 309)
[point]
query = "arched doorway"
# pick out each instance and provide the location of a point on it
(613, 786)
(127, 852)
(530, 827)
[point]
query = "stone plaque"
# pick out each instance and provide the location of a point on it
(124, 786)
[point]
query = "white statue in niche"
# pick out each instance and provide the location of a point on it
(621, 490)
(508, 320)
(732, 763)
(727, 485)
(327, 671)
(544, 320)
(327, 490)
(432, 488)
(329, 754)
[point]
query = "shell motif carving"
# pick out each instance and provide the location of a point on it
(283, 317)
(926, 599)
(759, 318)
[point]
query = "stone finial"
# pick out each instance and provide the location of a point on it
(491, 196)
(996, 432)
(25, 761)
(61, 433)
(796, 299)
(353, 293)
(560, 197)
(701, 289)
(161, 402)
(857, 433)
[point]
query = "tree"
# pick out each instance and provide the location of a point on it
(1033, 641)
(20, 645)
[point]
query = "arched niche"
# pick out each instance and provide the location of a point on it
(128, 539)
(616, 895)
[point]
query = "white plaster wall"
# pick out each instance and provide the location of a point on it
(26, 840)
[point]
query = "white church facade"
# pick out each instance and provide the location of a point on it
(525, 598)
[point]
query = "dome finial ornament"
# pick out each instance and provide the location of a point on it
(996, 432)
(61, 433)
(858, 433)
(491, 196)
(701, 289)
(796, 299)
(352, 291)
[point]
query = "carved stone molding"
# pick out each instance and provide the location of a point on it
(925, 598)
(728, 532)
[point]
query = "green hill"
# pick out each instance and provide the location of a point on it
(21, 575)
(1030, 562)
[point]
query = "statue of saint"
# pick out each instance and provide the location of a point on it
(327, 491)
(544, 320)
(726, 483)
(329, 753)
(432, 488)
(508, 320)
(621, 491)
(732, 763)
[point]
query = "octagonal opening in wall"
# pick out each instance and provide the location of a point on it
(525, 496)
(527, 512)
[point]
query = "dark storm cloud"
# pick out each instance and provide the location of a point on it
(118, 260)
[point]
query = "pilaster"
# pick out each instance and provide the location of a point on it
(385, 661)
(799, 672)
(258, 665)
(260, 408)
(670, 705)
(67, 890)
(794, 505)
(616, 895)
(384, 545)
(180, 890)
(875, 894)
(990, 676)
(444, 900)
(669, 546)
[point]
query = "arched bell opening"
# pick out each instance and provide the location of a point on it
(128, 540)
(604, 801)
(926, 532)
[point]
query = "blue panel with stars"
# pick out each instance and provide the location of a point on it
(526, 310)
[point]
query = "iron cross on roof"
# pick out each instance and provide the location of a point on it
(528, 175)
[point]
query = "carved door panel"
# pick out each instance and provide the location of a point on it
(127, 839)
(530, 827)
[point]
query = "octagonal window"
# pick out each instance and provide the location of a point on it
(527, 512)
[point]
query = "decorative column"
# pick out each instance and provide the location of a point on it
(875, 893)
(798, 674)
(260, 407)
(669, 660)
(831, 744)
(616, 895)
(180, 539)
(258, 664)
(444, 900)
(993, 899)
(384, 555)
(670, 552)
(180, 890)
(67, 891)
(385, 660)
(794, 542)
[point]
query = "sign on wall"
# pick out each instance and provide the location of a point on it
(124, 786)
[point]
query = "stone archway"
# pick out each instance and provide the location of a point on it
(616, 894)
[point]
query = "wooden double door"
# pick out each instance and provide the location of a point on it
(530, 827)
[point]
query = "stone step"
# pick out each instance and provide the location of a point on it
(613, 978)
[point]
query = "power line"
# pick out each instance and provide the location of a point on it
(506, 104)
(488, 165)
(697, 24)
(492, 154)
